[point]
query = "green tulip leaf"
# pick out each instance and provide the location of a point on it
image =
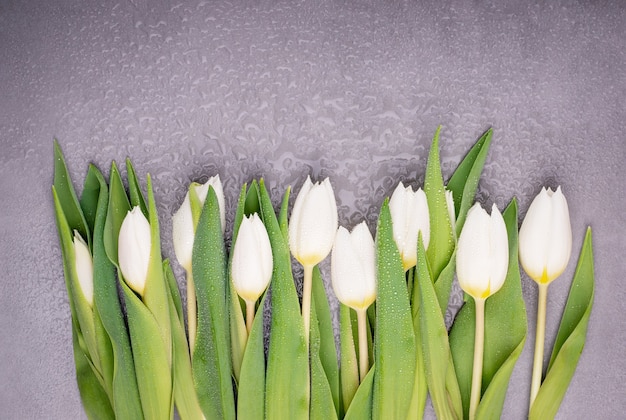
(134, 191)
(442, 385)
(125, 393)
(67, 196)
(185, 396)
(152, 360)
(327, 349)
(505, 334)
(251, 395)
(464, 180)
(95, 400)
(238, 332)
(322, 405)
(287, 380)
(394, 341)
(361, 406)
(118, 207)
(441, 244)
(420, 386)
(349, 366)
(211, 360)
(570, 339)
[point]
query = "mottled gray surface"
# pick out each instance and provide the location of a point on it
(352, 90)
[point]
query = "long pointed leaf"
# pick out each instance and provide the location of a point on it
(361, 406)
(570, 339)
(394, 342)
(464, 180)
(287, 383)
(349, 366)
(327, 348)
(444, 390)
(441, 244)
(322, 404)
(211, 357)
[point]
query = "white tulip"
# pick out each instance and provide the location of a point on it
(545, 238)
(183, 226)
(409, 216)
(252, 262)
(313, 222)
(84, 267)
(482, 257)
(353, 267)
(134, 248)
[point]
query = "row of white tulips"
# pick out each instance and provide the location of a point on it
(480, 254)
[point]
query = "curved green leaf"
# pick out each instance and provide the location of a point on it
(442, 384)
(287, 380)
(327, 349)
(361, 406)
(464, 180)
(134, 191)
(394, 342)
(152, 361)
(322, 403)
(211, 360)
(185, 396)
(570, 339)
(349, 366)
(441, 243)
(118, 207)
(251, 395)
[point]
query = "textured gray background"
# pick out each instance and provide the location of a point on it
(348, 89)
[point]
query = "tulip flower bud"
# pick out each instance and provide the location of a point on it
(545, 238)
(84, 267)
(313, 222)
(252, 262)
(482, 257)
(353, 267)
(134, 246)
(409, 216)
(183, 225)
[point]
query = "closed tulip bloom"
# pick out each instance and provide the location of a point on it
(84, 267)
(313, 222)
(183, 225)
(409, 216)
(482, 257)
(545, 238)
(134, 249)
(353, 267)
(252, 259)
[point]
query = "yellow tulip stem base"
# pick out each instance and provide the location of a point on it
(479, 344)
(306, 300)
(363, 353)
(250, 306)
(192, 316)
(539, 343)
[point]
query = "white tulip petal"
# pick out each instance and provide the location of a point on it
(499, 250)
(294, 220)
(183, 234)
(134, 249)
(451, 209)
(560, 238)
(84, 267)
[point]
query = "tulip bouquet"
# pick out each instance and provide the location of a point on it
(390, 349)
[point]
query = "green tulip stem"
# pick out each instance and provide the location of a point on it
(306, 300)
(539, 342)
(250, 306)
(363, 353)
(479, 345)
(192, 317)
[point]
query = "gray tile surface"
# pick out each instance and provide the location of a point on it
(352, 90)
